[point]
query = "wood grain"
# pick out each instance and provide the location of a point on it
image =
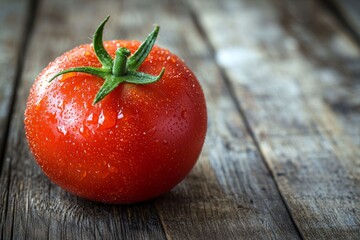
(229, 194)
(36, 208)
(279, 67)
(281, 158)
(12, 25)
(349, 11)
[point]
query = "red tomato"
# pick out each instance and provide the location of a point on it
(135, 144)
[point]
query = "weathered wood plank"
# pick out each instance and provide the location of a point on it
(229, 194)
(327, 45)
(349, 10)
(37, 209)
(12, 24)
(281, 68)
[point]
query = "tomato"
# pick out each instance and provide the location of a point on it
(136, 142)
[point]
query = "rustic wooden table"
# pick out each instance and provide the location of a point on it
(282, 154)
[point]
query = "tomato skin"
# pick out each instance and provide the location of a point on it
(135, 144)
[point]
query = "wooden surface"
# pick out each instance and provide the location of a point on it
(348, 12)
(282, 154)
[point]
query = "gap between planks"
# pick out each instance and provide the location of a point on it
(341, 12)
(239, 108)
(23, 215)
(285, 124)
(25, 36)
(20, 59)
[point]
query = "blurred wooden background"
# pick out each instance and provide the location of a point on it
(282, 154)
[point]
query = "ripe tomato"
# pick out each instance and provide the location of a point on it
(135, 143)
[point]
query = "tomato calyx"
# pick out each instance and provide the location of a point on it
(123, 68)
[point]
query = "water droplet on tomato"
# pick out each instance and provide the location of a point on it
(183, 114)
(120, 115)
(52, 118)
(61, 162)
(84, 131)
(82, 173)
(101, 118)
(60, 104)
(37, 104)
(61, 129)
(104, 174)
(152, 131)
(90, 118)
(112, 169)
(107, 119)
(66, 76)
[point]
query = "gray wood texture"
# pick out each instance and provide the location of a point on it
(349, 10)
(35, 208)
(283, 80)
(12, 25)
(12, 32)
(281, 158)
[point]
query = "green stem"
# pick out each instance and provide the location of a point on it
(122, 69)
(101, 53)
(121, 56)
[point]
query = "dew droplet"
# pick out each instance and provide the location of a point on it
(183, 114)
(101, 118)
(112, 169)
(90, 117)
(84, 131)
(61, 162)
(66, 76)
(120, 115)
(60, 104)
(82, 173)
(104, 174)
(61, 129)
(152, 131)
(107, 119)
